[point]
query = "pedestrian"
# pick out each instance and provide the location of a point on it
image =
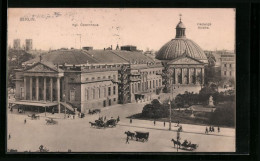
(24, 121)
(9, 136)
(73, 116)
(178, 122)
(210, 129)
(118, 119)
(154, 122)
(213, 129)
(127, 140)
(218, 129)
(130, 120)
(11, 109)
(164, 123)
(206, 131)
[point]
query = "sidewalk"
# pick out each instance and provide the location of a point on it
(187, 128)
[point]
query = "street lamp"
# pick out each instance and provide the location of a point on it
(170, 120)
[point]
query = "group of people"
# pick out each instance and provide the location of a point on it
(104, 118)
(211, 129)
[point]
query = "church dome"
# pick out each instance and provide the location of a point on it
(181, 45)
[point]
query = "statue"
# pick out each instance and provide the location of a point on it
(211, 101)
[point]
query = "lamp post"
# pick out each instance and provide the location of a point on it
(64, 98)
(170, 119)
(178, 138)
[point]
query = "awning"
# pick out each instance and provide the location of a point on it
(32, 103)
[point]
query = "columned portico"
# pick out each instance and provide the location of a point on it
(58, 93)
(31, 81)
(25, 88)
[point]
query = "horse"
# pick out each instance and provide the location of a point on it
(176, 142)
(130, 134)
(93, 124)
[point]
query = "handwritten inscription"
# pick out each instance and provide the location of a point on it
(204, 25)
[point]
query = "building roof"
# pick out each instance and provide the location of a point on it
(180, 25)
(179, 46)
(77, 57)
(65, 56)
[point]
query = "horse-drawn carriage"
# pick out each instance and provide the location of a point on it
(186, 145)
(51, 121)
(34, 116)
(103, 124)
(94, 111)
(138, 135)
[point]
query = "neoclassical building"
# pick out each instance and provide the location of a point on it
(86, 79)
(183, 60)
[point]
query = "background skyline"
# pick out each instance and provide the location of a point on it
(145, 28)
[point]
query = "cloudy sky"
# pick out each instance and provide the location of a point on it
(145, 28)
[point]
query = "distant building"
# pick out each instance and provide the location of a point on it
(228, 64)
(128, 48)
(87, 48)
(28, 44)
(17, 44)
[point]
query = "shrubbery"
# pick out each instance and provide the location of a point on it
(155, 110)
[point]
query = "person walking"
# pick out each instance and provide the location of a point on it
(206, 131)
(218, 129)
(164, 123)
(118, 119)
(130, 120)
(127, 140)
(9, 136)
(154, 122)
(213, 129)
(24, 121)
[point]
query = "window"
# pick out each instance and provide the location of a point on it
(156, 83)
(105, 91)
(109, 91)
(230, 65)
(86, 94)
(86, 79)
(153, 83)
(225, 73)
(114, 90)
(114, 99)
(72, 95)
(230, 73)
(104, 77)
(98, 78)
(22, 92)
(150, 84)
(109, 77)
(99, 93)
(133, 90)
(225, 65)
(93, 93)
(159, 82)
(93, 78)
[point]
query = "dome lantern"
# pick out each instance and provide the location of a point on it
(180, 30)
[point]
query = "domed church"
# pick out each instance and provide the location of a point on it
(183, 59)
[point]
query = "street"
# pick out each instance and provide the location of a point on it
(77, 135)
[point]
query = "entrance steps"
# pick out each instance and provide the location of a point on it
(69, 107)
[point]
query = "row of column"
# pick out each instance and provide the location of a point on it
(188, 74)
(44, 88)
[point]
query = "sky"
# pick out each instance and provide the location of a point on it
(146, 28)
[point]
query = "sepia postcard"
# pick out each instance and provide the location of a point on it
(121, 80)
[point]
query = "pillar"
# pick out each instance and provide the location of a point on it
(182, 75)
(202, 75)
(24, 86)
(44, 88)
(51, 90)
(37, 88)
(195, 73)
(188, 75)
(30, 88)
(176, 76)
(58, 92)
